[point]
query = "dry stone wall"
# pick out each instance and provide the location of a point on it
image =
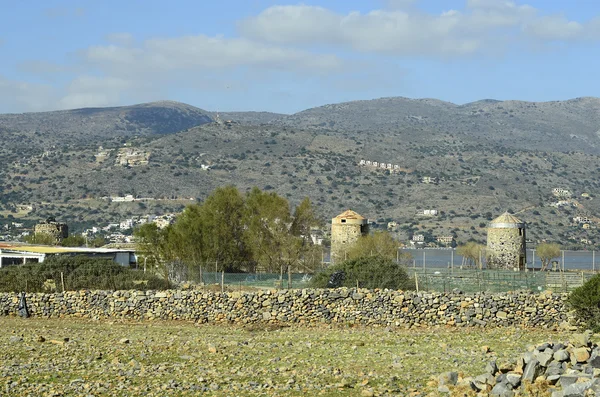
(306, 306)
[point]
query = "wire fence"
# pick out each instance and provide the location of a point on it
(444, 279)
(439, 258)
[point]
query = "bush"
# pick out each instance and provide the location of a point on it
(370, 272)
(78, 273)
(585, 301)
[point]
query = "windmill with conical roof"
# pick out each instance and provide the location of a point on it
(506, 243)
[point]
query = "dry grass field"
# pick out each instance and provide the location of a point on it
(41, 357)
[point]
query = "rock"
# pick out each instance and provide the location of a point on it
(576, 389)
(561, 355)
(123, 341)
(581, 340)
(491, 368)
(212, 349)
(367, 393)
(501, 390)
(448, 378)
(443, 389)
(581, 354)
(567, 380)
(15, 339)
(513, 379)
(532, 370)
(41, 339)
(502, 315)
(544, 359)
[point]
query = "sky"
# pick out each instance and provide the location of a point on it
(286, 56)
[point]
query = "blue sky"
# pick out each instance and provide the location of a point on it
(285, 56)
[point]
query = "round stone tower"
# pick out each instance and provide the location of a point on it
(346, 228)
(506, 243)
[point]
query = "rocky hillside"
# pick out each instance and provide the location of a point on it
(572, 125)
(467, 172)
(96, 125)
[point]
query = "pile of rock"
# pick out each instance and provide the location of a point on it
(569, 369)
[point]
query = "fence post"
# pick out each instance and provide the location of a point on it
(62, 281)
(593, 260)
(281, 276)
(289, 277)
(423, 259)
(563, 260)
(222, 281)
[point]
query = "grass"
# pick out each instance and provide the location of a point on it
(178, 358)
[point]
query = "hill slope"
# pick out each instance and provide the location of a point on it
(93, 125)
(481, 172)
(556, 126)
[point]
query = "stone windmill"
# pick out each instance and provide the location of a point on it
(506, 244)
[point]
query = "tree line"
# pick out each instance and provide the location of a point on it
(233, 232)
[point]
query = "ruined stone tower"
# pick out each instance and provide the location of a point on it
(57, 230)
(346, 228)
(506, 243)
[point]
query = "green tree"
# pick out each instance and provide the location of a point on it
(304, 219)
(472, 252)
(222, 221)
(183, 242)
(368, 272)
(267, 219)
(546, 252)
(73, 241)
(96, 242)
(380, 243)
(41, 238)
(585, 301)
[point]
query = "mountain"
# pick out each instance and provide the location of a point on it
(96, 125)
(480, 165)
(252, 118)
(572, 125)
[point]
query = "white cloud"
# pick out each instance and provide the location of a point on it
(208, 53)
(409, 32)
(89, 91)
(555, 28)
(18, 96)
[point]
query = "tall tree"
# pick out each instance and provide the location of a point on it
(185, 237)
(380, 243)
(472, 252)
(267, 220)
(546, 252)
(222, 219)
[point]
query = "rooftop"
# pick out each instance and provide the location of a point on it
(349, 214)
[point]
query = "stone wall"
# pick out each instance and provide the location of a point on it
(307, 306)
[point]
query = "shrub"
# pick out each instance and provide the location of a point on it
(369, 271)
(78, 273)
(585, 301)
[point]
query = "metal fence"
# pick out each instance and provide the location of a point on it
(439, 258)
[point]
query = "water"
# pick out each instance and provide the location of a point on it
(446, 258)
